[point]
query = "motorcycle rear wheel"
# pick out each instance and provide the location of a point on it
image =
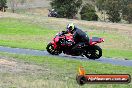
(94, 53)
(51, 49)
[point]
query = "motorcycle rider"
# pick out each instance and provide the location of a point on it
(79, 36)
(53, 13)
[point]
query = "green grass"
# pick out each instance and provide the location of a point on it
(62, 72)
(122, 54)
(31, 34)
(10, 26)
(16, 33)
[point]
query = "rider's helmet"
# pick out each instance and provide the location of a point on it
(53, 10)
(70, 27)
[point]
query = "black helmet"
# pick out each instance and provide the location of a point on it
(70, 27)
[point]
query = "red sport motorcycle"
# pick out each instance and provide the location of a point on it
(64, 43)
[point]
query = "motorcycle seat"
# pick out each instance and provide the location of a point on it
(95, 39)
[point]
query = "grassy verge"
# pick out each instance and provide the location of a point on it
(62, 73)
(116, 53)
(16, 33)
(30, 34)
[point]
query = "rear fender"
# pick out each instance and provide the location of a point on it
(92, 43)
(101, 40)
(95, 42)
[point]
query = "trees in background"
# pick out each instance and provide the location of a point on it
(101, 5)
(3, 5)
(113, 10)
(66, 8)
(88, 13)
(22, 1)
(13, 5)
(116, 9)
(127, 10)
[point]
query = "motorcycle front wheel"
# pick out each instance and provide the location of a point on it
(95, 52)
(51, 49)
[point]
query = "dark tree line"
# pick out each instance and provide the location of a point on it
(66, 8)
(113, 10)
(69, 9)
(3, 5)
(88, 13)
(127, 10)
(116, 9)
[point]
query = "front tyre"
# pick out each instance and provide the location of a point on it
(94, 53)
(51, 49)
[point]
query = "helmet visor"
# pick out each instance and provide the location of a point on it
(70, 28)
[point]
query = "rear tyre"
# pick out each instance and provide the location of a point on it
(51, 49)
(94, 53)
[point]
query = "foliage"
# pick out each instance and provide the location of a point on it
(101, 4)
(3, 5)
(113, 10)
(66, 8)
(116, 9)
(88, 13)
(127, 11)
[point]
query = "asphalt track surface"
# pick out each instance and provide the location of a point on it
(45, 53)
